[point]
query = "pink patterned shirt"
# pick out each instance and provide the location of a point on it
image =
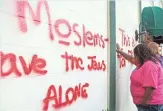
(148, 75)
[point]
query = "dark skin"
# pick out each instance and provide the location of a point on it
(147, 95)
(130, 58)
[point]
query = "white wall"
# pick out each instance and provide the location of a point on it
(127, 18)
(127, 14)
(27, 92)
(108, 55)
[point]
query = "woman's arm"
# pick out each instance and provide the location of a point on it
(147, 95)
(125, 55)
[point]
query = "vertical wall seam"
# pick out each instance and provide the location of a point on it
(108, 54)
(112, 55)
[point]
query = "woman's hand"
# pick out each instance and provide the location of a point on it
(118, 49)
(144, 103)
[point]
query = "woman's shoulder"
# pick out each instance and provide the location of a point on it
(151, 64)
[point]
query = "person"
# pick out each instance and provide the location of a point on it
(147, 80)
(152, 45)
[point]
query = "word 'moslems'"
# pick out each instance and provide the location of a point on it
(83, 37)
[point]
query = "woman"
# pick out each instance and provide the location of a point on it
(152, 45)
(147, 80)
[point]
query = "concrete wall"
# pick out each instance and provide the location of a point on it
(127, 21)
(53, 55)
(36, 74)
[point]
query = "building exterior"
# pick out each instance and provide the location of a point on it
(60, 55)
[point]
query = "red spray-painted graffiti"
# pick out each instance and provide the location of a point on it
(123, 60)
(37, 65)
(85, 38)
(128, 42)
(53, 96)
(77, 63)
(21, 6)
(94, 65)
